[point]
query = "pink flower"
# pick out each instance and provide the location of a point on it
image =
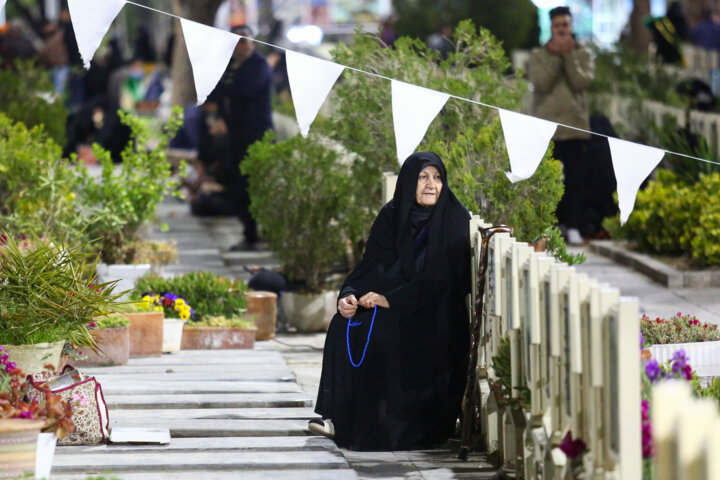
(92, 325)
(81, 398)
(572, 448)
(679, 314)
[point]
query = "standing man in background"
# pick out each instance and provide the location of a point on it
(561, 71)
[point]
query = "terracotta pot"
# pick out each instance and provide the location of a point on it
(113, 348)
(32, 358)
(218, 338)
(172, 335)
(146, 334)
(18, 446)
(540, 245)
(309, 312)
(263, 307)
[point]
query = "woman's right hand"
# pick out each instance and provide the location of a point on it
(348, 306)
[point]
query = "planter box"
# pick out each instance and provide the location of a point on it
(704, 357)
(32, 358)
(309, 312)
(18, 446)
(113, 348)
(172, 335)
(146, 334)
(263, 306)
(218, 338)
(126, 274)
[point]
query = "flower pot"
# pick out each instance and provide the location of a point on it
(18, 446)
(32, 358)
(126, 274)
(218, 338)
(172, 335)
(44, 454)
(703, 357)
(263, 306)
(146, 334)
(309, 312)
(113, 348)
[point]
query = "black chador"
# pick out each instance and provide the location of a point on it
(407, 392)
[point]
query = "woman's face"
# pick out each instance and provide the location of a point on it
(429, 186)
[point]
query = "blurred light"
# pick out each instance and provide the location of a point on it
(311, 34)
(549, 3)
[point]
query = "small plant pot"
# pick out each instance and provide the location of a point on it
(18, 446)
(172, 335)
(263, 306)
(146, 334)
(125, 274)
(113, 348)
(44, 454)
(218, 338)
(309, 312)
(32, 358)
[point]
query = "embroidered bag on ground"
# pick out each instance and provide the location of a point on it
(89, 411)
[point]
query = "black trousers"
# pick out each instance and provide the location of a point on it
(575, 157)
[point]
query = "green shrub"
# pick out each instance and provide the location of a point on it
(672, 217)
(222, 321)
(209, 294)
(28, 96)
(112, 321)
(300, 192)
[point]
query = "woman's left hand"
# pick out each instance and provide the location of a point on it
(371, 299)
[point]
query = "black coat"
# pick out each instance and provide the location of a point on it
(407, 392)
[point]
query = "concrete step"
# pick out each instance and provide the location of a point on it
(191, 427)
(218, 400)
(139, 386)
(239, 473)
(283, 413)
(201, 444)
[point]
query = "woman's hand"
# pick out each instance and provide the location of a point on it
(348, 306)
(371, 299)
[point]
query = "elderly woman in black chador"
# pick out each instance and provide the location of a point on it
(396, 352)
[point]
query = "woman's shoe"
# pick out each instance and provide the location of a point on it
(322, 427)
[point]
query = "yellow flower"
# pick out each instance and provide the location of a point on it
(158, 308)
(185, 314)
(179, 303)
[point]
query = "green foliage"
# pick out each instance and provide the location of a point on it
(513, 22)
(123, 199)
(502, 387)
(300, 192)
(711, 391)
(672, 137)
(677, 329)
(207, 293)
(36, 185)
(28, 96)
(112, 321)
(48, 292)
(672, 217)
(467, 136)
(222, 321)
(558, 249)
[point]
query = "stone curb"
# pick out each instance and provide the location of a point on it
(654, 269)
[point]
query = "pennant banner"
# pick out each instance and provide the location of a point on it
(632, 163)
(2, 4)
(311, 80)
(526, 139)
(91, 20)
(210, 50)
(414, 109)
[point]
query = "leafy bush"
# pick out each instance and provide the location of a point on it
(558, 249)
(299, 191)
(502, 386)
(209, 294)
(111, 321)
(123, 200)
(28, 96)
(678, 329)
(222, 321)
(672, 217)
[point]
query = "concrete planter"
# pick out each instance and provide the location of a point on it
(32, 358)
(146, 334)
(704, 357)
(45, 452)
(263, 307)
(113, 348)
(126, 274)
(18, 446)
(172, 335)
(309, 312)
(218, 338)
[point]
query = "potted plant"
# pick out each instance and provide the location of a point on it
(145, 329)
(219, 333)
(49, 295)
(299, 190)
(156, 253)
(22, 420)
(124, 198)
(177, 311)
(112, 336)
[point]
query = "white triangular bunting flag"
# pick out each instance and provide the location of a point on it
(2, 4)
(526, 139)
(311, 80)
(91, 20)
(210, 50)
(414, 109)
(632, 164)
